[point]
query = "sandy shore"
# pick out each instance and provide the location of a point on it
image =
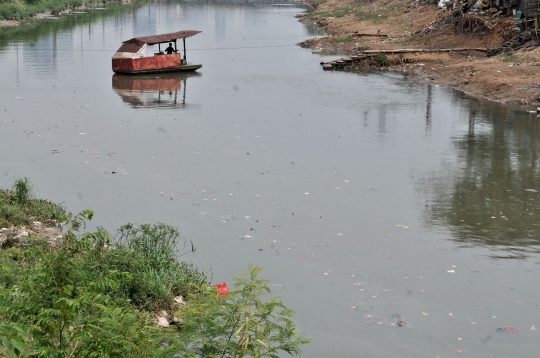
(510, 78)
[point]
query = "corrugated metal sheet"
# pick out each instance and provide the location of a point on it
(151, 40)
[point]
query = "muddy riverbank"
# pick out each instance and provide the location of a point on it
(352, 27)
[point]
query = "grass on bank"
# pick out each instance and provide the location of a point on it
(90, 295)
(19, 207)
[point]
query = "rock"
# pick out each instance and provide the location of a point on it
(24, 233)
(162, 322)
(176, 319)
(327, 66)
(163, 313)
(180, 300)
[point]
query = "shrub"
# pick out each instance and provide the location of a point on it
(242, 325)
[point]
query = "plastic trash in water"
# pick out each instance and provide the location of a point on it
(222, 289)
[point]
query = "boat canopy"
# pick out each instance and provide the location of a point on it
(135, 44)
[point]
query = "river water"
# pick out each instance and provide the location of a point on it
(367, 198)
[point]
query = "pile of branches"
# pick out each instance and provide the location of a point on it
(459, 20)
(513, 44)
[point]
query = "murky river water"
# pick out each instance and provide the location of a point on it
(367, 198)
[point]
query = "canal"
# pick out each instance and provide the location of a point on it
(369, 199)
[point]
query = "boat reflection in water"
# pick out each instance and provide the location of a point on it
(152, 91)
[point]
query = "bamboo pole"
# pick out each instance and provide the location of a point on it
(407, 50)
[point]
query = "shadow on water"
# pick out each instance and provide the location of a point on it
(490, 194)
(153, 91)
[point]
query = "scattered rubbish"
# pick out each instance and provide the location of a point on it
(450, 271)
(425, 314)
(357, 283)
(222, 289)
(247, 217)
(532, 190)
(339, 234)
(533, 328)
(450, 314)
(459, 350)
(82, 133)
(508, 329)
(325, 273)
(306, 193)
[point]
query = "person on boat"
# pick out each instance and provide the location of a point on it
(170, 50)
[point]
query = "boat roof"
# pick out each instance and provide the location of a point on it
(134, 44)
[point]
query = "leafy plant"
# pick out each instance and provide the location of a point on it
(12, 337)
(381, 58)
(242, 325)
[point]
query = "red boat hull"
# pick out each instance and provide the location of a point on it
(158, 63)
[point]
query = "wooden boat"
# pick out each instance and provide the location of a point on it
(137, 55)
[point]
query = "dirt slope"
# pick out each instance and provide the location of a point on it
(510, 78)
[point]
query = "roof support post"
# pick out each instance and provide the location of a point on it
(185, 61)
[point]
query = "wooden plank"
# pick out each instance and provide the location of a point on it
(375, 35)
(406, 50)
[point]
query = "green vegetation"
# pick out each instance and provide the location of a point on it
(514, 58)
(382, 59)
(344, 39)
(18, 206)
(90, 295)
(19, 9)
(358, 12)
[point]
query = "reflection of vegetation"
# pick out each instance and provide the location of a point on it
(32, 30)
(489, 198)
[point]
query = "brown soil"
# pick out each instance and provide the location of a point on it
(510, 78)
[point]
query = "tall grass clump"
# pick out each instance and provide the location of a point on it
(161, 275)
(23, 190)
(19, 207)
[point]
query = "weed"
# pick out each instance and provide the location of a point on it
(242, 325)
(344, 39)
(339, 12)
(23, 190)
(381, 58)
(18, 207)
(514, 58)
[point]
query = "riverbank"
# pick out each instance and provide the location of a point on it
(69, 292)
(14, 12)
(353, 27)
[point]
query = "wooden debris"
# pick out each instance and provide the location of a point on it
(427, 50)
(376, 35)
